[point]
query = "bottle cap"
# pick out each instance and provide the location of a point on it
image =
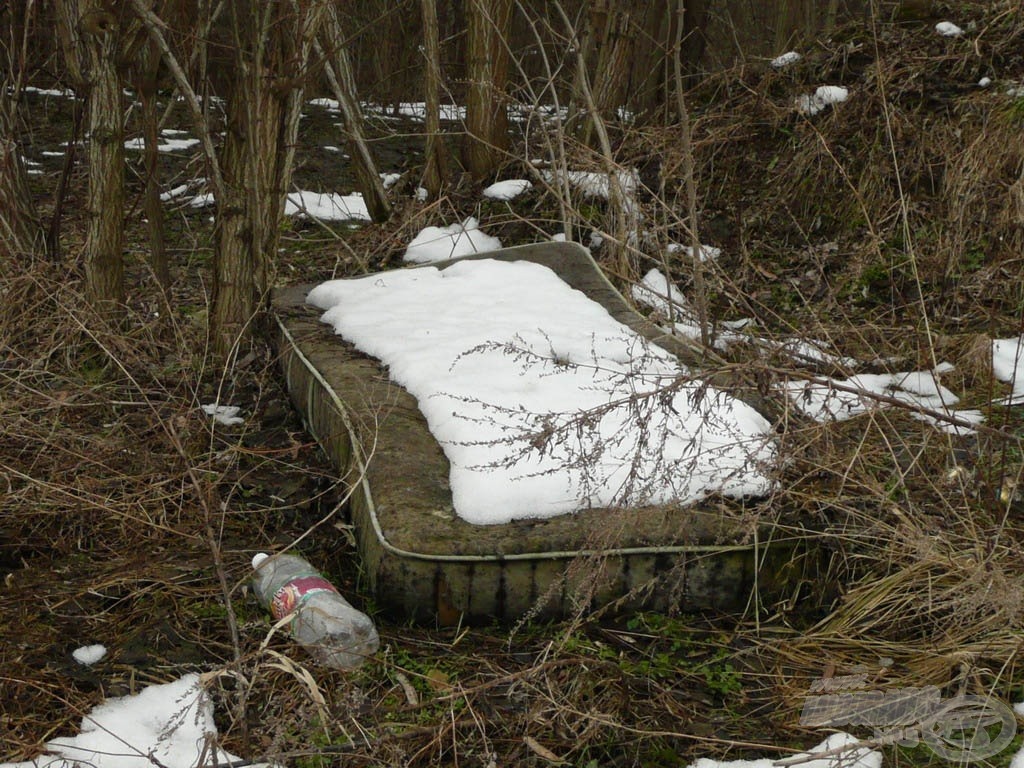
(258, 559)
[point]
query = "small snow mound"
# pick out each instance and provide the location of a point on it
(507, 190)
(948, 29)
(440, 243)
(707, 252)
(224, 414)
(327, 206)
(169, 725)
(88, 655)
(783, 61)
(839, 750)
(824, 96)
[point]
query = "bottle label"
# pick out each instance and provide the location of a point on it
(293, 594)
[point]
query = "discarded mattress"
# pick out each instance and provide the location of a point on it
(423, 562)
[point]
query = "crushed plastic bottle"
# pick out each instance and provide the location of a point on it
(335, 633)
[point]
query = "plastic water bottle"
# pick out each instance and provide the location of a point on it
(335, 633)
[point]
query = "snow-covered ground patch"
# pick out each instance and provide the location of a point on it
(824, 96)
(543, 403)
(707, 252)
(948, 29)
(441, 243)
(174, 192)
(166, 144)
(596, 184)
(327, 206)
(224, 414)
(88, 655)
(841, 399)
(785, 60)
(168, 725)
(841, 748)
(416, 110)
(660, 294)
(507, 189)
(1008, 366)
(329, 104)
(65, 93)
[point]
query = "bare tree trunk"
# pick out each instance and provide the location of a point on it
(104, 243)
(21, 230)
(274, 38)
(699, 286)
(435, 166)
(342, 81)
(489, 23)
(147, 87)
(610, 49)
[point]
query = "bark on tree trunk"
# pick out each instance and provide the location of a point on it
(104, 243)
(21, 230)
(256, 158)
(342, 81)
(610, 44)
(435, 166)
(147, 86)
(488, 23)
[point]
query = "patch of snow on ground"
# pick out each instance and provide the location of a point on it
(707, 252)
(417, 110)
(841, 399)
(88, 655)
(1008, 365)
(660, 294)
(167, 145)
(327, 206)
(847, 755)
(948, 29)
(66, 93)
(595, 184)
(507, 190)
(174, 192)
(824, 96)
(441, 243)
(535, 393)
(783, 61)
(169, 725)
(224, 414)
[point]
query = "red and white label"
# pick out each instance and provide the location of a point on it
(296, 592)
